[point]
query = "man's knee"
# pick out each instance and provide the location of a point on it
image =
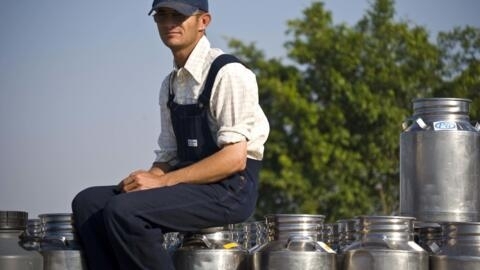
(82, 200)
(117, 208)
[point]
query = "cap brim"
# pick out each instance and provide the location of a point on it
(185, 9)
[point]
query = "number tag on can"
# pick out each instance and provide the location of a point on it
(444, 125)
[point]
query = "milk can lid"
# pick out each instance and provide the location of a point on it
(422, 106)
(13, 220)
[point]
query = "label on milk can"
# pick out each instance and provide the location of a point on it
(444, 125)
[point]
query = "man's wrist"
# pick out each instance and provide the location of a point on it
(160, 168)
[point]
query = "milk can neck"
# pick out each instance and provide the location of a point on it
(462, 232)
(434, 109)
(386, 228)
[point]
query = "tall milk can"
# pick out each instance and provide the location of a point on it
(440, 162)
(12, 255)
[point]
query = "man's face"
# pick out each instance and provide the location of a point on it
(179, 31)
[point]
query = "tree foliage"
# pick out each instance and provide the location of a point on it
(336, 112)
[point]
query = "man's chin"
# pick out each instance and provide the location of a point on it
(171, 42)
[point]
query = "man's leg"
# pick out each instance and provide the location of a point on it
(87, 209)
(137, 220)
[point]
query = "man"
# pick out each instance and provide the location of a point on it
(210, 149)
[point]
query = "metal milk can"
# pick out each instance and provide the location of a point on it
(346, 232)
(461, 249)
(59, 244)
(12, 255)
(429, 236)
(217, 248)
(255, 234)
(32, 235)
(384, 243)
(331, 235)
(172, 241)
(346, 236)
(439, 162)
(294, 242)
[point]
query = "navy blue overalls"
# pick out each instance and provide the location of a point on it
(125, 230)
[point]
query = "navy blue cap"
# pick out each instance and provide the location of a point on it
(186, 7)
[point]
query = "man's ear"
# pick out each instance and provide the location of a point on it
(205, 20)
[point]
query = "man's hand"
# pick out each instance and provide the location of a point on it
(231, 158)
(142, 180)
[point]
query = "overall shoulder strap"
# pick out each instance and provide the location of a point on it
(217, 64)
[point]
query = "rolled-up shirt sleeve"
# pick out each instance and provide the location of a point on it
(233, 104)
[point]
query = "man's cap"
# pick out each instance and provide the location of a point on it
(186, 7)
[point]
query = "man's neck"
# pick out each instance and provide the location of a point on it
(181, 55)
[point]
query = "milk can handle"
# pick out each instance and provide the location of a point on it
(406, 123)
(434, 248)
(295, 240)
(207, 242)
(26, 239)
(55, 242)
(201, 239)
(379, 241)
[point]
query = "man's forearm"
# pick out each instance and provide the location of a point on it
(227, 161)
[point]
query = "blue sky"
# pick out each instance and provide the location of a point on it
(79, 83)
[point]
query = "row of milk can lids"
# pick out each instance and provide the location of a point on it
(48, 242)
(298, 241)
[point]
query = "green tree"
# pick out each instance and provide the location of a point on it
(336, 112)
(461, 71)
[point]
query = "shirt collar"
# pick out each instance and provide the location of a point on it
(197, 58)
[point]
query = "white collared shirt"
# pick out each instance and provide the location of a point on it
(235, 114)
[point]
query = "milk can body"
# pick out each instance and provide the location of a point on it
(461, 249)
(384, 243)
(346, 230)
(439, 162)
(294, 242)
(12, 255)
